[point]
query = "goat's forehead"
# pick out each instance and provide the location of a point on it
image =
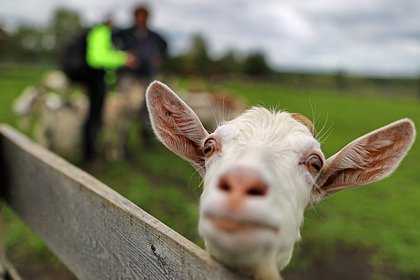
(261, 125)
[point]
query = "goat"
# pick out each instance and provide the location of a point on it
(56, 81)
(262, 170)
(121, 109)
(59, 117)
(60, 122)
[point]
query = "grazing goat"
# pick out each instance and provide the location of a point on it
(262, 170)
(59, 117)
(57, 122)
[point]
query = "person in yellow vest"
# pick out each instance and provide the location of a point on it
(101, 57)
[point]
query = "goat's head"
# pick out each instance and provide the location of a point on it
(262, 170)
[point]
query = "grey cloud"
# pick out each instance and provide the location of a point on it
(383, 35)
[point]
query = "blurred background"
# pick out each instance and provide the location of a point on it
(352, 66)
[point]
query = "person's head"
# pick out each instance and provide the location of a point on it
(102, 15)
(108, 21)
(141, 16)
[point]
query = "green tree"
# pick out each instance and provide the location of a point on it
(26, 44)
(9, 47)
(228, 63)
(198, 61)
(256, 65)
(64, 24)
(34, 44)
(340, 79)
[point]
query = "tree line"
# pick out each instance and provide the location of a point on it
(31, 44)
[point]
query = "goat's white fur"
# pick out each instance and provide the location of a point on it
(273, 145)
(57, 124)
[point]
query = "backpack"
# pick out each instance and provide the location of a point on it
(72, 59)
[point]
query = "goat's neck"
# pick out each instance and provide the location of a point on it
(267, 272)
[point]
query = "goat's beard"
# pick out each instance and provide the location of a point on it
(246, 250)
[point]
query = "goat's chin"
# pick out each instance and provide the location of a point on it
(237, 244)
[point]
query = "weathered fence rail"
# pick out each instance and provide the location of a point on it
(97, 233)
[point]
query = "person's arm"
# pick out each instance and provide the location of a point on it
(100, 52)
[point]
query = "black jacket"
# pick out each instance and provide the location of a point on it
(150, 49)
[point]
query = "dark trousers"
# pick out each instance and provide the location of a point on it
(96, 91)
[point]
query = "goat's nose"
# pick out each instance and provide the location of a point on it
(242, 183)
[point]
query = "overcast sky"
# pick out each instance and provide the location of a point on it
(363, 36)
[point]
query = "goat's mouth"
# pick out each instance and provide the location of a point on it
(234, 225)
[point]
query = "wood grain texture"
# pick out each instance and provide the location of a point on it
(95, 231)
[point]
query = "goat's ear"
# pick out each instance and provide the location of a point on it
(367, 159)
(176, 125)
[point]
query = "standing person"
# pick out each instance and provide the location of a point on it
(97, 57)
(150, 50)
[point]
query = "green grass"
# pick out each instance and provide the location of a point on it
(382, 217)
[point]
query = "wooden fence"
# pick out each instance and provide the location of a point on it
(97, 233)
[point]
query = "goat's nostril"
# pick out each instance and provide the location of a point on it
(233, 184)
(257, 190)
(224, 185)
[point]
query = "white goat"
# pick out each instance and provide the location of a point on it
(59, 117)
(121, 109)
(262, 170)
(57, 123)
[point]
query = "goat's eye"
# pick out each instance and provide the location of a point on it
(314, 164)
(210, 146)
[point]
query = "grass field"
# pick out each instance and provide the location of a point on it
(375, 228)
